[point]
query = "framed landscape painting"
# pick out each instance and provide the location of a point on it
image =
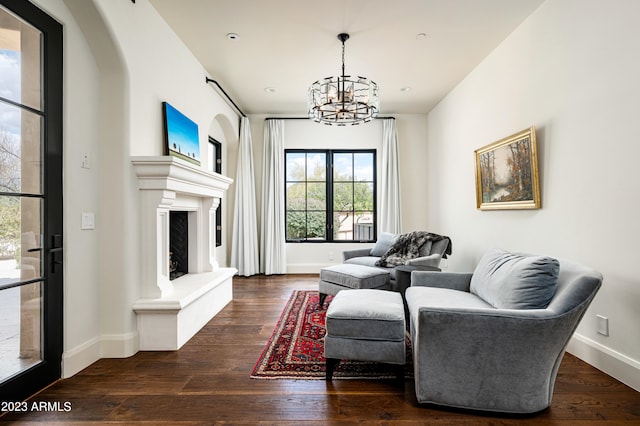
(507, 173)
(180, 135)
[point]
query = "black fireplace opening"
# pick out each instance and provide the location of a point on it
(178, 244)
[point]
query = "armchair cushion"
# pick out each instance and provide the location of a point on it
(384, 243)
(515, 281)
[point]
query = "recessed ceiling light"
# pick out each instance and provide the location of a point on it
(405, 89)
(270, 89)
(233, 36)
(421, 36)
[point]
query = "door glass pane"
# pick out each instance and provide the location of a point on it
(20, 61)
(295, 164)
(316, 196)
(296, 197)
(343, 225)
(363, 226)
(343, 167)
(20, 239)
(20, 326)
(343, 196)
(296, 225)
(20, 306)
(317, 166)
(20, 150)
(316, 225)
(363, 167)
(363, 196)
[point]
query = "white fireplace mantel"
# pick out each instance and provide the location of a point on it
(170, 312)
(172, 174)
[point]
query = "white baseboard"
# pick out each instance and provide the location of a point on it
(106, 346)
(307, 268)
(119, 345)
(80, 357)
(615, 364)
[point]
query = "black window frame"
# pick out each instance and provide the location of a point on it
(217, 168)
(329, 208)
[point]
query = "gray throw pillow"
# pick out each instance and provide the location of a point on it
(515, 280)
(384, 243)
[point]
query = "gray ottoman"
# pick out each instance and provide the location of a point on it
(365, 325)
(349, 276)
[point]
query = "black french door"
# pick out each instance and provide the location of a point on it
(30, 199)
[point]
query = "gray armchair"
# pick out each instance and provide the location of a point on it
(429, 256)
(493, 340)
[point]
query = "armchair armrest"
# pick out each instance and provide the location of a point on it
(475, 357)
(460, 281)
(430, 260)
(348, 254)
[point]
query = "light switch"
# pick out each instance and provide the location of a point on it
(88, 221)
(86, 160)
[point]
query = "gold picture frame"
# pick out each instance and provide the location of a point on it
(507, 173)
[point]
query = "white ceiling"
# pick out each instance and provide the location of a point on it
(289, 44)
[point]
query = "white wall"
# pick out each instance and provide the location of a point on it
(116, 77)
(310, 257)
(81, 118)
(571, 70)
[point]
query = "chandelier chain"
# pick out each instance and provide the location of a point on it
(343, 58)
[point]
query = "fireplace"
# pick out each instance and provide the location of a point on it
(181, 284)
(178, 244)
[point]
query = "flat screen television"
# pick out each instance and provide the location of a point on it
(180, 135)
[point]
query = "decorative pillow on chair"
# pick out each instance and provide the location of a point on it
(385, 241)
(515, 280)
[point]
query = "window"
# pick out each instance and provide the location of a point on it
(215, 165)
(330, 195)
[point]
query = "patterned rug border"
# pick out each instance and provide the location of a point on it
(314, 369)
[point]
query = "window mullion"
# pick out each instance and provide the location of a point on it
(329, 192)
(353, 196)
(306, 196)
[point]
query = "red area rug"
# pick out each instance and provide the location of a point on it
(296, 347)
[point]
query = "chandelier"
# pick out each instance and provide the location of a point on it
(342, 100)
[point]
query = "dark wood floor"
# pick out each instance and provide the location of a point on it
(207, 382)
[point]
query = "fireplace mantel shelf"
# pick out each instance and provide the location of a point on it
(173, 174)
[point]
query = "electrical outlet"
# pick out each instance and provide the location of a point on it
(602, 325)
(331, 255)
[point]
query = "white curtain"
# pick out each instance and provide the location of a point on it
(244, 245)
(273, 258)
(390, 214)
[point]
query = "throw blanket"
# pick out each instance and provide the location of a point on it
(407, 246)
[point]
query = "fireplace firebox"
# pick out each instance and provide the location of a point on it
(178, 244)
